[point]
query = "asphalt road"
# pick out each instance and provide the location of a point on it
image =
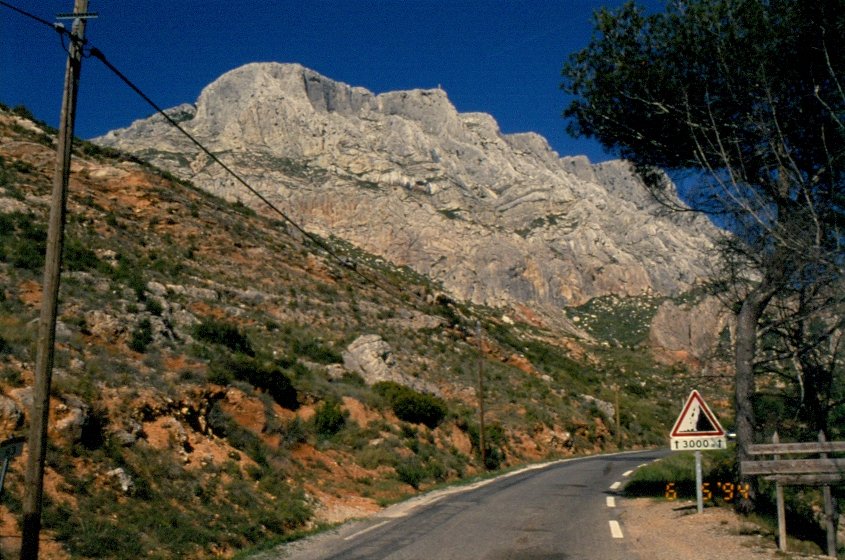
(564, 510)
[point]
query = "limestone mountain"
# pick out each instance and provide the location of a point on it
(498, 219)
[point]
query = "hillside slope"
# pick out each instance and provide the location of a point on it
(221, 381)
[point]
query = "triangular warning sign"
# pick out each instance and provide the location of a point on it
(696, 419)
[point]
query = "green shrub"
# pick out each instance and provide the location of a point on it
(76, 256)
(217, 332)
(142, 336)
(329, 418)
(317, 351)
(412, 406)
(265, 376)
(411, 471)
(22, 241)
(494, 442)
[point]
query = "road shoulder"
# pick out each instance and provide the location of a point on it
(661, 530)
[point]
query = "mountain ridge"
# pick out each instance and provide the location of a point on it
(498, 219)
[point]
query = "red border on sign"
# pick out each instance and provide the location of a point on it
(695, 396)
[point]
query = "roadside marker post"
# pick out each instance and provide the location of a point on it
(697, 429)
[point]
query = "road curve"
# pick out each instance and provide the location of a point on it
(562, 510)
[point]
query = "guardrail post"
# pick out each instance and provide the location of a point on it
(830, 528)
(780, 505)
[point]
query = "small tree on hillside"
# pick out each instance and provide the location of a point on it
(746, 96)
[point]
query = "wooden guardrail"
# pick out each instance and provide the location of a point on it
(821, 471)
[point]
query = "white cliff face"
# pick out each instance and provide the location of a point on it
(499, 219)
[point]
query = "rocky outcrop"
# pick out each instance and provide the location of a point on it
(498, 219)
(372, 358)
(691, 331)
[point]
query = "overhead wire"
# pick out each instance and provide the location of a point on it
(395, 291)
(99, 55)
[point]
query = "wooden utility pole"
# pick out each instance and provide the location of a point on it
(481, 443)
(34, 483)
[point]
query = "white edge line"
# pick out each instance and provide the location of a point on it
(611, 502)
(627, 473)
(615, 485)
(367, 530)
(615, 529)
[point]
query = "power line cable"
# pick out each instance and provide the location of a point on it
(395, 291)
(345, 262)
(99, 55)
(57, 26)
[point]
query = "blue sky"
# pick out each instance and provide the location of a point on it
(501, 57)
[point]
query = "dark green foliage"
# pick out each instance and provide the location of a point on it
(128, 273)
(76, 256)
(142, 336)
(172, 512)
(494, 443)
(329, 418)
(154, 307)
(22, 241)
(317, 351)
(262, 375)
(411, 471)
(23, 111)
(412, 406)
(217, 332)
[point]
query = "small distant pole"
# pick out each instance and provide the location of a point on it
(34, 476)
(618, 418)
(481, 443)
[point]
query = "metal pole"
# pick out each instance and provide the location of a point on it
(34, 482)
(699, 491)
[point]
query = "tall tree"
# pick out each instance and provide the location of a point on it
(747, 96)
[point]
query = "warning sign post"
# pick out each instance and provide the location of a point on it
(697, 429)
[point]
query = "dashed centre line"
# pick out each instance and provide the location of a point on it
(615, 529)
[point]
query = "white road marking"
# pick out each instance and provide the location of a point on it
(364, 531)
(615, 529)
(627, 473)
(611, 502)
(641, 466)
(615, 485)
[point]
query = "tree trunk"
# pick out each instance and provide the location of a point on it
(746, 348)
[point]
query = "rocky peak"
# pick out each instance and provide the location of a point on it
(498, 219)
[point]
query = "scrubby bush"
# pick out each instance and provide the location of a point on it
(412, 406)
(329, 418)
(265, 376)
(317, 351)
(217, 332)
(411, 471)
(76, 256)
(142, 336)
